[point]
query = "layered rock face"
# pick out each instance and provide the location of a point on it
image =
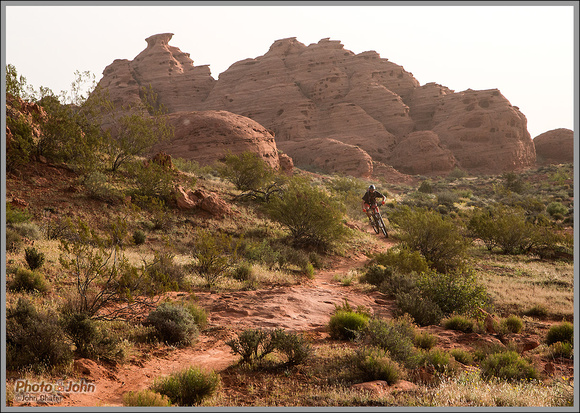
(555, 147)
(359, 104)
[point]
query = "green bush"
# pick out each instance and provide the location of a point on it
(252, 345)
(139, 237)
(460, 323)
(34, 339)
(403, 259)
(436, 237)
(145, 398)
(561, 349)
(28, 230)
(188, 387)
(17, 215)
(13, 240)
(395, 336)
(508, 365)
(538, 310)
(563, 332)
(174, 324)
(313, 217)
(97, 187)
(439, 360)
(198, 313)
(425, 340)
(243, 271)
(21, 147)
(151, 180)
(399, 284)
(293, 346)
(375, 364)
(511, 324)
(214, 254)
(247, 171)
(421, 308)
(426, 187)
(91, 338)
(347, 324)
(376, 275)
(462, 356)
(34, 258)
(29, 281)
(556, 208)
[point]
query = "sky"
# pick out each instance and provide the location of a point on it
(524, 49)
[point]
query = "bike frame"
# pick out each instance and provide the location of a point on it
(377, 221)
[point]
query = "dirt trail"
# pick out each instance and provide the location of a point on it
(305, 308)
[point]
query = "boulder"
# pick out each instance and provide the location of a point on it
(555, 147)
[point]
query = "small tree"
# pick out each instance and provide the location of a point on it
(313, 217)
(214, 254)
(247, 170)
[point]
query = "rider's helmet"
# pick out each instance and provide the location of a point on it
(372, 187)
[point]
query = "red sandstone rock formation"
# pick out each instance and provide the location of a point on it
(208, 136)
(555, 147)
(324, 93)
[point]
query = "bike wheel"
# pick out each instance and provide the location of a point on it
(382, 226)
(375, 224)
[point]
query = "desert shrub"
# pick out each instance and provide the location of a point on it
(425, 340)
(436, 237)
(139, 237)
(174, 324)
(456, 173)
(34, 258)
(438, 360)
(13, 240)
(34, 339)
(403, 259)
(214, 254)
(421, 308)
(146, 398)
(28, 230)
(395, 336)
(447, 198)
(151, 180)
(91, 338)
(252, 345)
(460, 323)
(503, 227)
(188, 387)
(398, 284)
(17, 215)
(243, 271)
(347, 323)
(511, 324)
(313, 217)
(198, 313)
(556, 209)
(454, 292)
(549, 243)
(98, 187)
(376, 275)
(508, 365)
(292, 345)
(563, 332)
(425, 187)
(164, 274)
(462, 356)
(28, 281)
(375, 364)
(513, 182)
(247, 171)
(561, 349)
(538, 310)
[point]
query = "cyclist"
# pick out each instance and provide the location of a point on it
(370, 199)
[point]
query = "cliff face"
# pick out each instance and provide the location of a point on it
(555, 146)
(361, 105)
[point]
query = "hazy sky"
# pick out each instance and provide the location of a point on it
(526, 50)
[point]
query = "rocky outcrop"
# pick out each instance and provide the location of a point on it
(485, 133)
(329, 156)
(322, 92)
(421, 153)
(555, 147)
(208, 136)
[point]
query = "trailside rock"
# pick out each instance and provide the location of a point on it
(208, 136)
(555, 147)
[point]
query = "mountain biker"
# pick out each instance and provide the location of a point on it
(370, 199)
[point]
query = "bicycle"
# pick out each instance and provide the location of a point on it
(376, 220)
